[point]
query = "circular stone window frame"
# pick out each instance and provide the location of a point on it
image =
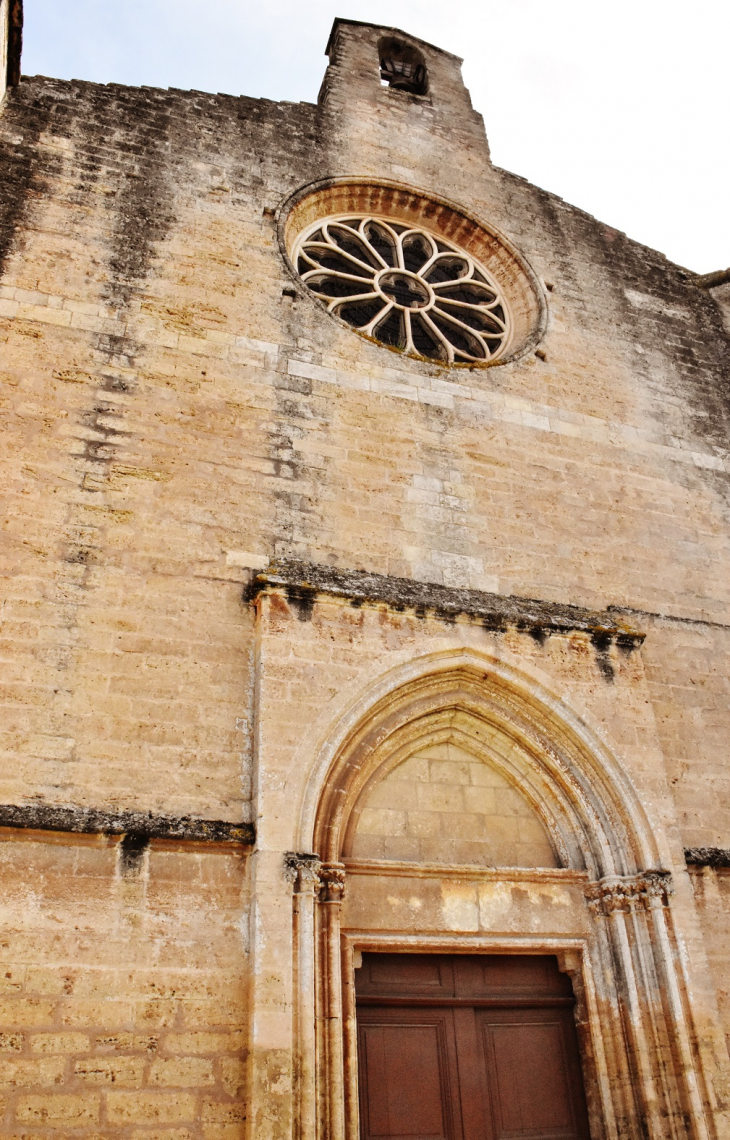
(522, 292)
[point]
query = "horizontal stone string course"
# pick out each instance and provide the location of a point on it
(707, 856)
(303, 581)
(88, 821)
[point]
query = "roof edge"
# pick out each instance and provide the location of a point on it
(393, 31)
(713, 280)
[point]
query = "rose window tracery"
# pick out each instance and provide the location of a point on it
(405, 287)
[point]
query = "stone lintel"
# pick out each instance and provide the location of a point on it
(707, 856)
(88, 821)
(303, 582)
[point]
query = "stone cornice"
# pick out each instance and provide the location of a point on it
(712, 280)
(707, 856)
(89, 821)
(303, 582)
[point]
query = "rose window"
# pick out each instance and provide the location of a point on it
(405, 287)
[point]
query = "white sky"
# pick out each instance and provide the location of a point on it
(619, 106)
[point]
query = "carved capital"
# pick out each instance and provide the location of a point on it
(659, 887)
(332, 880)
(301, 869)
(630, 892)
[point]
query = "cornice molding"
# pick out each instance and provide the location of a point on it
(303, 582)
(392, 868)
(712, 280)
(707, 857)
(89, 821)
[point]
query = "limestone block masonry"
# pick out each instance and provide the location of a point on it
(312, 646)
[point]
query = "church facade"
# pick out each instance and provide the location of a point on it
(366, 628)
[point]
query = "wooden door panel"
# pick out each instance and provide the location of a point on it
(534, 1084)
(405, 974)
(475, 1116)
(408, 1079)
(530, 1090)
(467, 1047)
(522, 975)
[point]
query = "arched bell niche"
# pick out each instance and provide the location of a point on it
(574, 872)
(402, 66)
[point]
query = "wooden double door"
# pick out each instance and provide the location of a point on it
(467, 1047)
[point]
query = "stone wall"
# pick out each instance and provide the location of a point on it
(712, 891)
(177, 413)
(123, 999)
(444, 805)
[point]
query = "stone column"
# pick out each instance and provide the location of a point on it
(332, 876)
(302, 870)
(661, 1060)
(660, 918)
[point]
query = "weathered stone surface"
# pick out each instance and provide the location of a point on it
(45, 817)
(303, 581)
(707, 857)
(256, 565)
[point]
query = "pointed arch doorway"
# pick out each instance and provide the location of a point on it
(573, 877)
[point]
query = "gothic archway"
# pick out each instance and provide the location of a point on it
(614, 934)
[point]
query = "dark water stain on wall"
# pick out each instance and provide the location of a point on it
(24, 170)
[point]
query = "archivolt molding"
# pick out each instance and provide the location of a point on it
(565, 769)
(640, 1047)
